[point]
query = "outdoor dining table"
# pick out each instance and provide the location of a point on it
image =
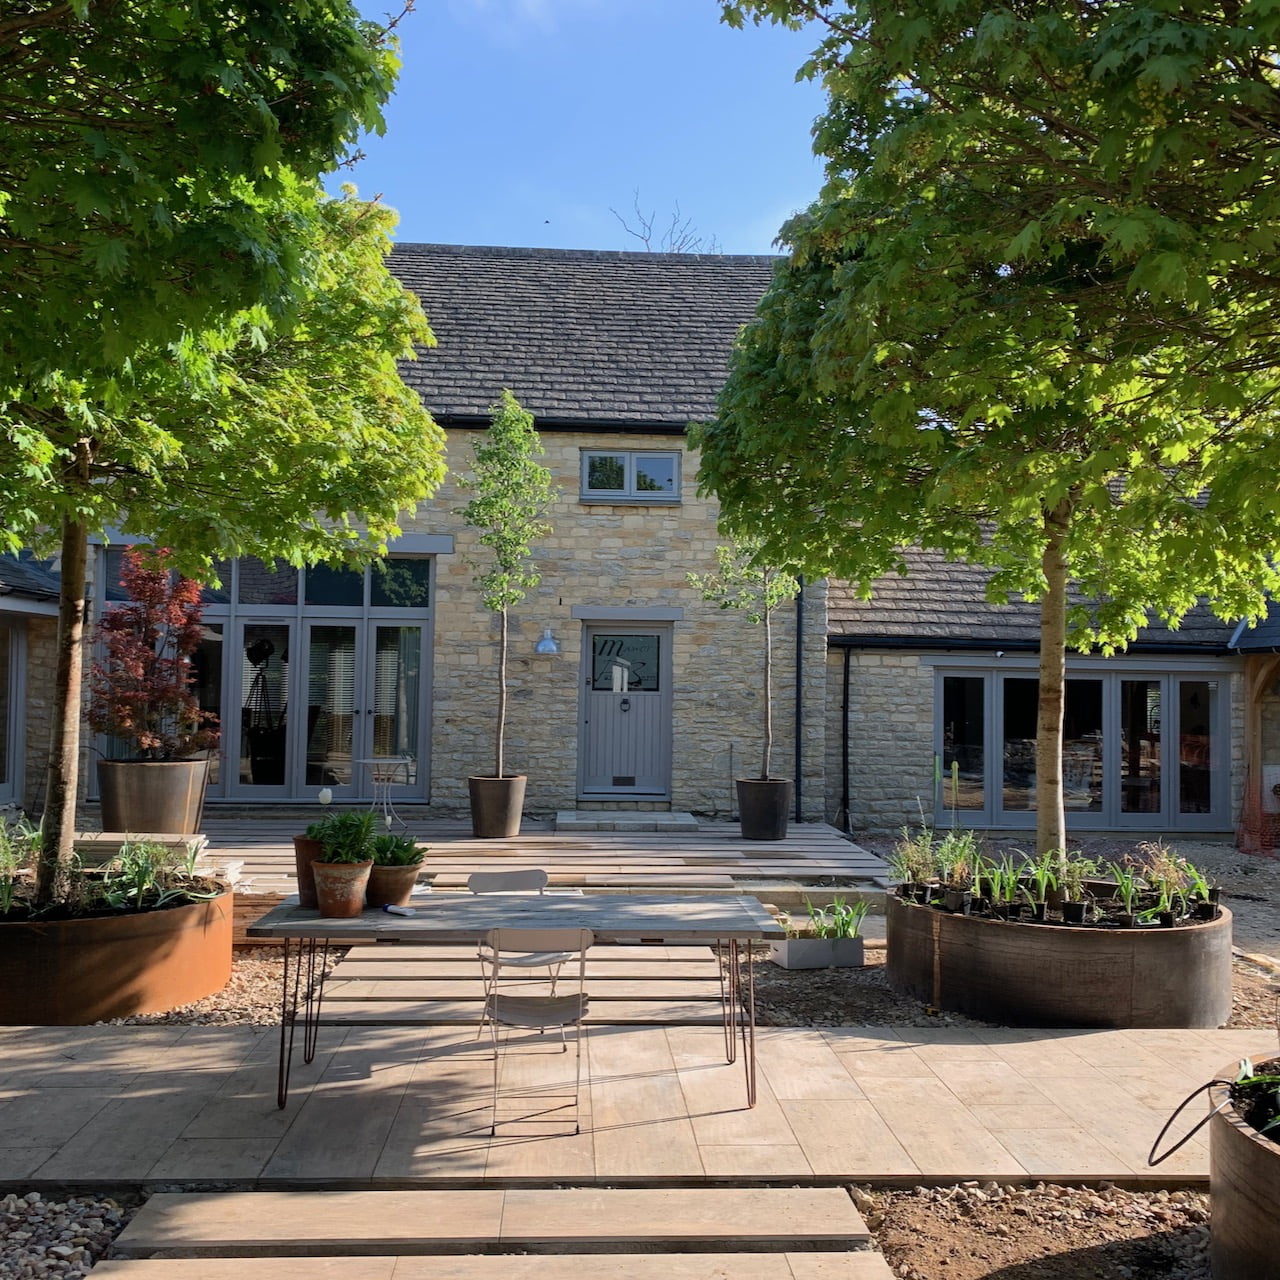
(730, 924)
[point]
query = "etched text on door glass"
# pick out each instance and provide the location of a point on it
(624, 664)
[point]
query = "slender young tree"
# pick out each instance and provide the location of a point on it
(742, 583)
(1031, 320)
(512, 493)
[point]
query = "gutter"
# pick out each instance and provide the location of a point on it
(798, 787)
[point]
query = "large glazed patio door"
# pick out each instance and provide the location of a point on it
(626, 713)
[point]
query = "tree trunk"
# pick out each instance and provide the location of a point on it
(59, 823)
(502, 692)
(1051, 817)
(768, 689)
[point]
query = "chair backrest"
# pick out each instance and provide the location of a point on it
(507, 881)
(524, 940)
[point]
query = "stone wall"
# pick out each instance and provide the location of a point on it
(42, 657)
(890, 769)
(609, 556)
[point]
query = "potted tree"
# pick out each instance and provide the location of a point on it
(742, 582)
(512, 492)
(142, 696)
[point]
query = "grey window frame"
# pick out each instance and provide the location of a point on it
(629, 493)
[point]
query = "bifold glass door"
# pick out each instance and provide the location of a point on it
(1137, 750)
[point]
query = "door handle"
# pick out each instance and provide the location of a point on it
(625, 705)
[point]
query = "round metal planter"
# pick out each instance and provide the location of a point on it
(1244, 1194)
(65, 973)
(152, 796)
(1049, 975)
(496, 806)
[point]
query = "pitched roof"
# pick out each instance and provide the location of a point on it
(25, 576)
(942, 604)
(633, 340)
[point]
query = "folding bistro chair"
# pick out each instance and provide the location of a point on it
(538, 1013)
(532, 880)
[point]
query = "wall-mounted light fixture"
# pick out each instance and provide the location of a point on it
(548, 643)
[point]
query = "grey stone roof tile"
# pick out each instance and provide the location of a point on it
(590, 336)
(944, 602)
(24, 575)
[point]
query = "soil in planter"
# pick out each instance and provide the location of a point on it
(23, 912)
(1259, 1104)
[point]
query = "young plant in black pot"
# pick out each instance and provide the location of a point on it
(512, 493)
(745, 583)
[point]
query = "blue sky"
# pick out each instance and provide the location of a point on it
(523, 122)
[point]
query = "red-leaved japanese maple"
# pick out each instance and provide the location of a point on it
(141, 689)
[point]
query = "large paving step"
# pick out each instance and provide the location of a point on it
(583, 1220)
(622, 1266)
(862, 1265)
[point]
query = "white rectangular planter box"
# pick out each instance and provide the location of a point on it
(817, 953)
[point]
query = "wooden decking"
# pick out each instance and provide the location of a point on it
(712, 858)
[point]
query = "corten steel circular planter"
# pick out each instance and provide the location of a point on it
(763, 806)
(391, 886)
(1049, 975)
(67, 973)
(340, 888)
(1244, 1193)
(496, 806)
(305, 852)
(152, 796)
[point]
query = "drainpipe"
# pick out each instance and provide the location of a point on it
(799, 694)
(846, 655)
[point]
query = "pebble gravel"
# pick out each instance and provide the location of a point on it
(46, 1238)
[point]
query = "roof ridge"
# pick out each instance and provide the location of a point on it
(643, 255)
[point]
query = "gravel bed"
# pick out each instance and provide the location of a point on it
(41, 1239)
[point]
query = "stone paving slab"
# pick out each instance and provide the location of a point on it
(862, 1265)
(410, 1106)
(559, 1220)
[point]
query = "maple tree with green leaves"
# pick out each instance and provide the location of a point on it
(198, 347)
(1030, 320)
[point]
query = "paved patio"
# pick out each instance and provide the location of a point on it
(409, 1107)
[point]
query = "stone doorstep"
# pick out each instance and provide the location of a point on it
(861, 1265)
(623, 820)
(572, 1220)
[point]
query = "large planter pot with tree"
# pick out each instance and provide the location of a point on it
(511, 494)
(142, 697)
(1244, 1172)
(143, 933)
(744, 582)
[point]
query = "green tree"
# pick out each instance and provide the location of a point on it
(1029, 322)
(196, 345)
(512, 493)
(755, 589)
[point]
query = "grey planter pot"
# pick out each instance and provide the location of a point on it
(763, 807)
(817, 953)
(496, 806)
(152, 796)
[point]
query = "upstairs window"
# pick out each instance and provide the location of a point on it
(625, 476)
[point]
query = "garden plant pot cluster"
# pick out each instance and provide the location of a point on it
(1244, 1173)
(343, 866)
(1008, 940)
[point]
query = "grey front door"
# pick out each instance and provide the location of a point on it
(626, 712)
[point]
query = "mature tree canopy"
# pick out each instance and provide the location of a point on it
(196, 345)
(1031, 321)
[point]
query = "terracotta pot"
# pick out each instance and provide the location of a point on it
(340, 887)
(763, 806)
(391, 886)
(1244, 1193)
(305, 852)
(68, 973)
(496, 806)
(145, 796)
